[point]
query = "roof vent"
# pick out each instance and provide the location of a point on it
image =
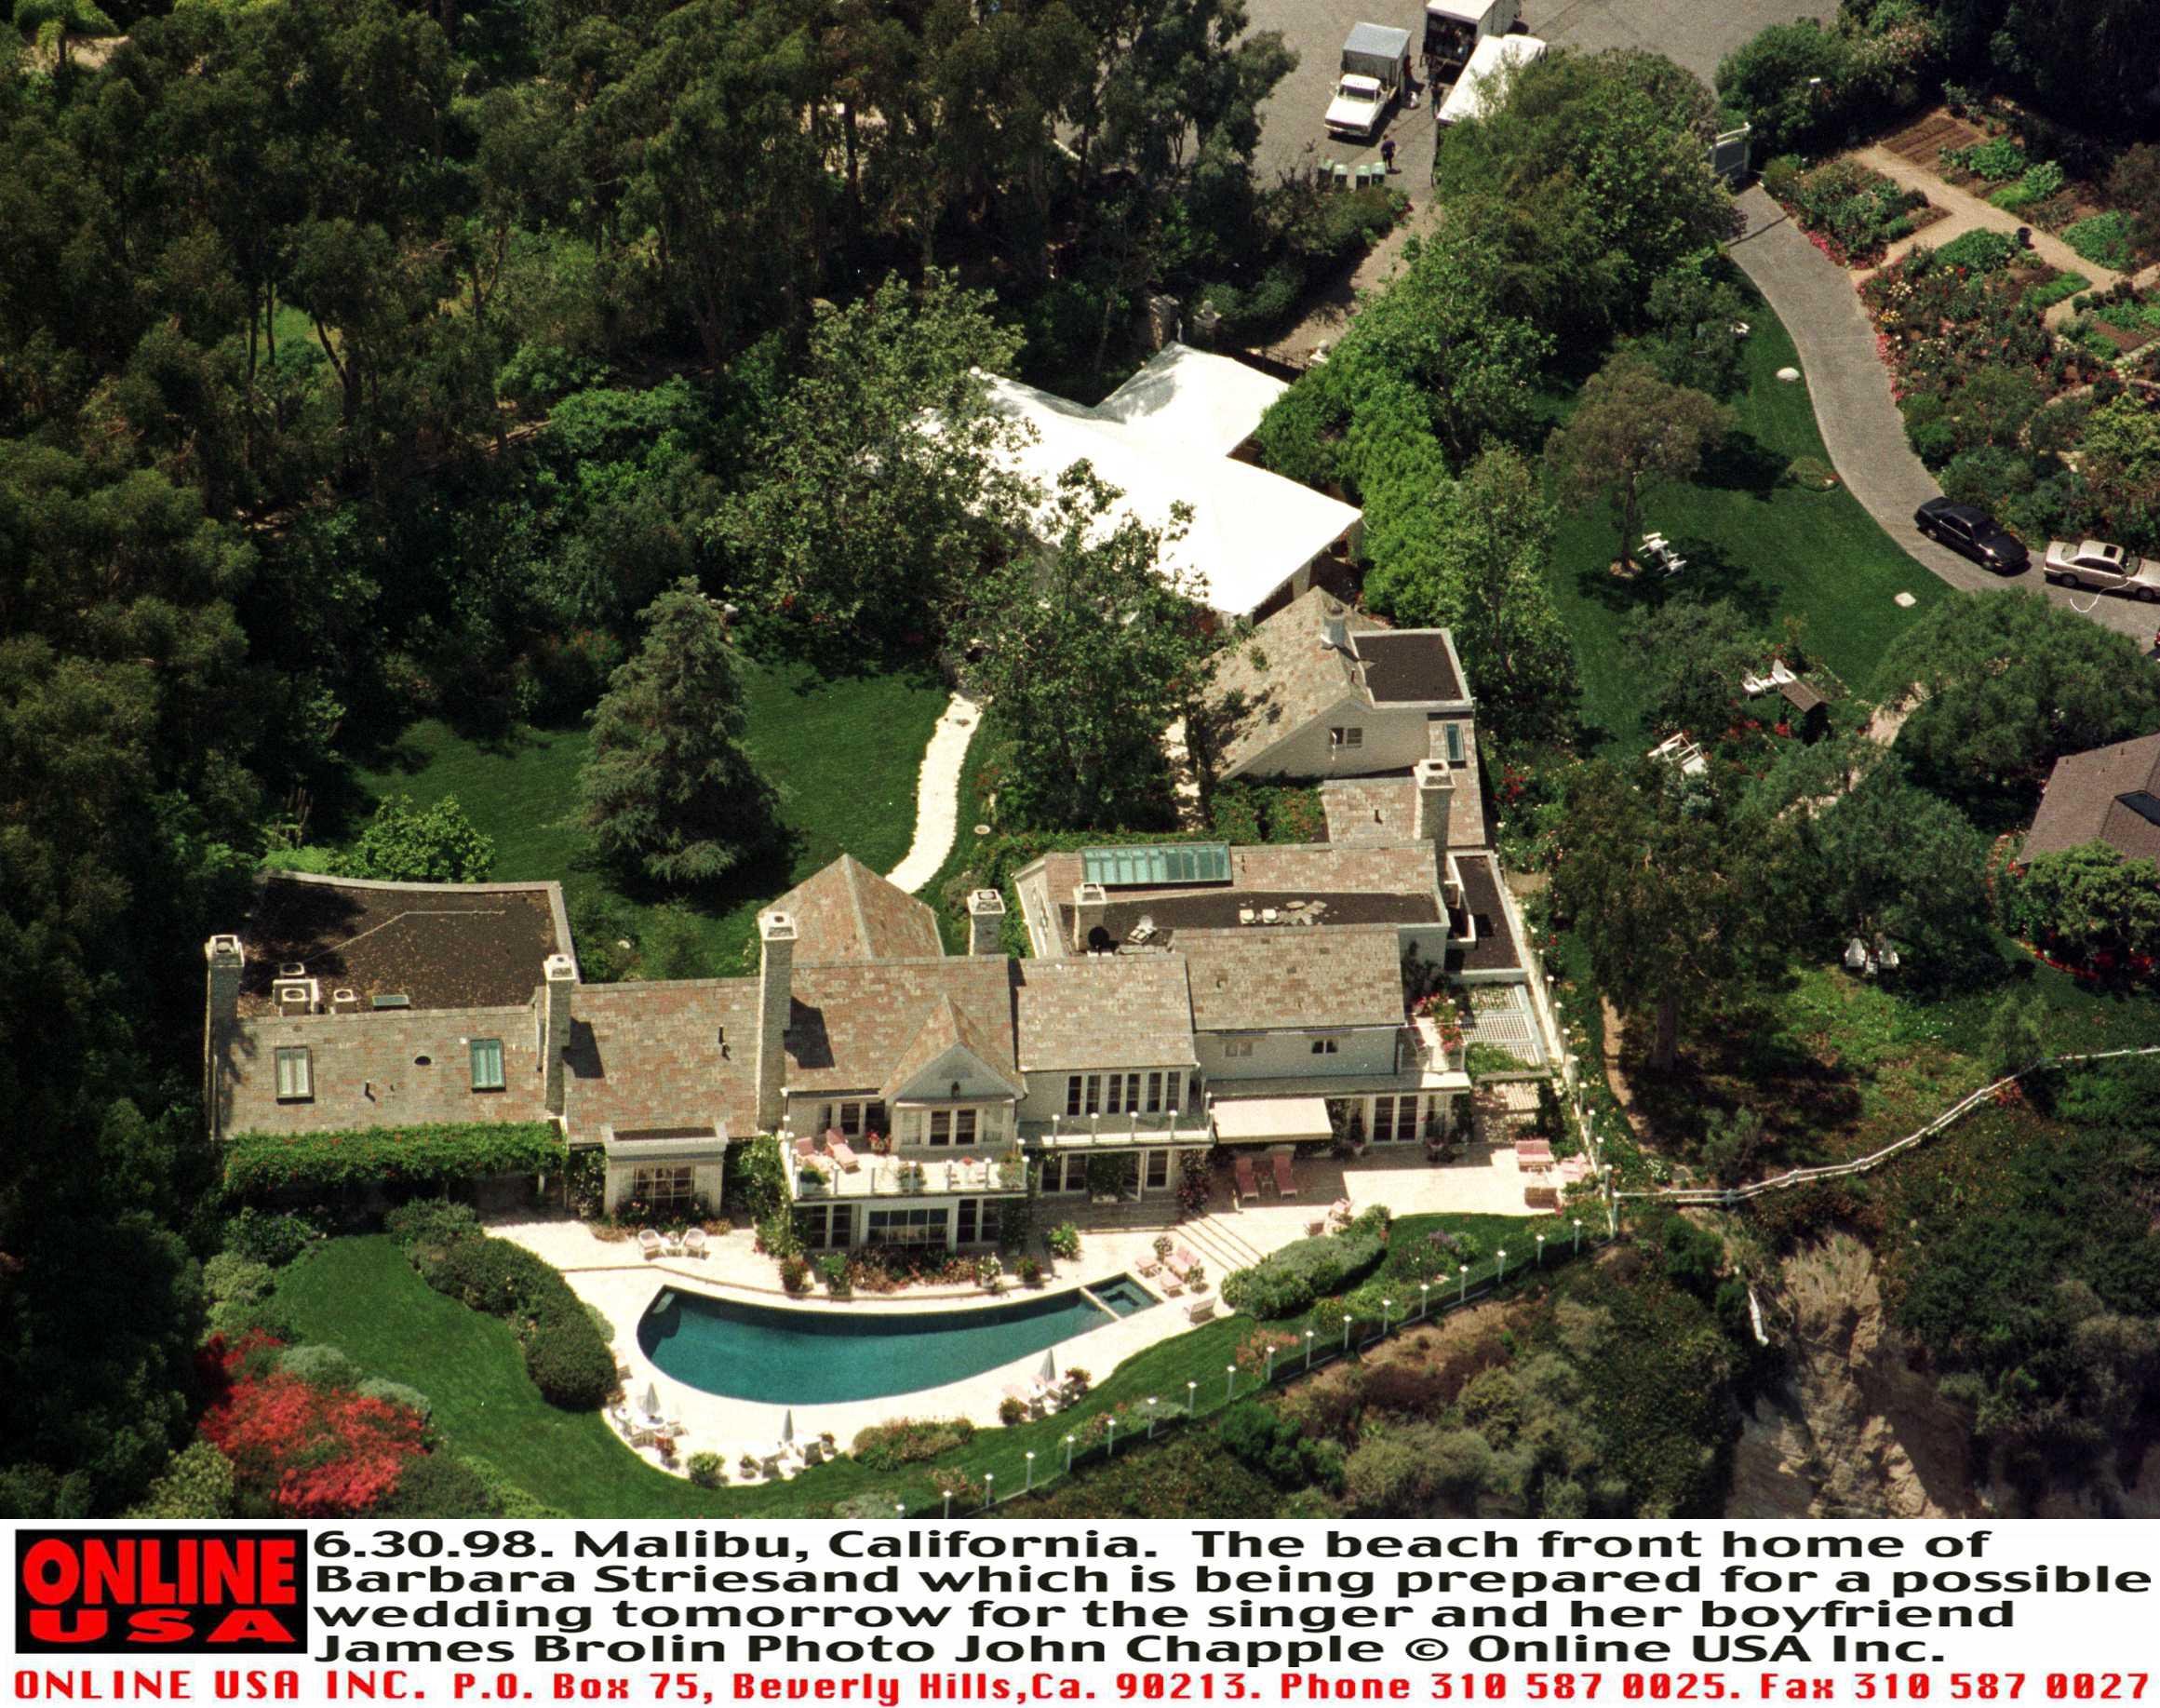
(296, 996)
(1336, 633)
(292, 969)
(344, 1000)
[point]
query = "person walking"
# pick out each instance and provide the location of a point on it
(1388, 153)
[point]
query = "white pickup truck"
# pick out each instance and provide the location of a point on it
(2105, 569)
(1376, 67)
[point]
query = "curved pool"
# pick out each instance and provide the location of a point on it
(810, 1357)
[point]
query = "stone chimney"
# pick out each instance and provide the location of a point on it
(775, 998)
(1089, 906)
(985, 921)
(225, 960)
(1435, 795)
(562, 979)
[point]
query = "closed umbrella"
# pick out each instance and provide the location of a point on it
(651, 1402)
(1049, 1371)
(787, 1428)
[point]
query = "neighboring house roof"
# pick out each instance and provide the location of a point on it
(1256, 978)
(379, 1069)
(437, 945)
(847, 912)
(2110, 795)
(1188, 401)
(1288, 674)
(1248, 532)
(851, 1023)
(943, 1029)
(1104, 1011)
(672, 1054)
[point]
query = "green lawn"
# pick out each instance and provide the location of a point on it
(842, 755)
(362, 1296)
(1773, 548)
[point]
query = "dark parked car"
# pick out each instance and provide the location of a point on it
(1972, 532)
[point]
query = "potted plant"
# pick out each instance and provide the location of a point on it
(809, 1180)
(1030, 1271)
(989, 1273)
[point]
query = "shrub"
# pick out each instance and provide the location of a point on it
(1998, 160)
(439, 1485)
(512, 1500)
(1987, 475)
(433, 1154)
(310, 1452)
(833, 1270)
(565, 1353)
(321, 1366)
(1012, 1411)
(1030, 1273)
(906, 1441)
(1064, 1241)
(1811, 474)
(265, 1236)
(196, 1483)
(430, 1221)
(2039, 182)
(795, 1273)
(708, 1470)
(2059, 289)
(1287, 1282)
(398, 1393)
(1979, 250)
(2104, 238)
(1271, 1443)
(755, 1180)
(230, 1279)
(570, 1363)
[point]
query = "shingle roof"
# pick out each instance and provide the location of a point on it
(853, 1023)
(1410, 668)
(944, 1028)
(847, 912)
(437, 945)
(2086, 802)
(662, 1055)
(1104, 1011)
(1279, 679)
(1496, 949)
(1253, 978)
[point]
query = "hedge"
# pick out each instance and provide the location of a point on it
(1287, 1283)
(565, 1354)
(433, 1154)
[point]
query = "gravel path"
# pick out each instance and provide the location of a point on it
(937, 795)
(1860, 425)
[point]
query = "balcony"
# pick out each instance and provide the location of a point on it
(1130, 1131)
(819, 1179)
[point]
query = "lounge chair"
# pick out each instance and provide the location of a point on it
(842, 1152)
(1183, 1262)
(651, 1243)
(1201, 1310)
(693, 1242)
(805, 1146)
(1247, 1186)
(1285, 1183)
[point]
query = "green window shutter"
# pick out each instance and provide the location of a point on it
(486, 1064)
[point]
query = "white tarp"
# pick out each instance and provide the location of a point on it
(1494, 55)
(1249, 531)
(1255, 1121)
(1186, 399)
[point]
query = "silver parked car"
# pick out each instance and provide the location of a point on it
(2102, 568)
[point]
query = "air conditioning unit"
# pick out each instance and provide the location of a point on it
(344, 1000)
(296, 996)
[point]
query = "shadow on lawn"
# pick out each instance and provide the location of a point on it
(1742, 1060)
(1743, 464)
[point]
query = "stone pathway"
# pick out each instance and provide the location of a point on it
(1969, 212)
(937, 795)
(1331, 312)
(1860, 425)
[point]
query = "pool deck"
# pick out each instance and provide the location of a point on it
(611, 1276)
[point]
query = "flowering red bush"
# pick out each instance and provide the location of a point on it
(311, 1451)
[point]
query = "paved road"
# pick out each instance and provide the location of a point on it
(1850, 389)
(1695, 33)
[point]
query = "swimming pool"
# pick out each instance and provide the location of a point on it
(746, 1352)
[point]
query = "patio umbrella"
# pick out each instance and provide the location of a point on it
(652, 1401)
(787, 1428)
(1049, 1371)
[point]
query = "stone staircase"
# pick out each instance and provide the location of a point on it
(1215, 1240)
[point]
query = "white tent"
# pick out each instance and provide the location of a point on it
(1160, 440)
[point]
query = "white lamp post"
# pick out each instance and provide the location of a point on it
(949, 1503)
(1464, 1297)
(1069, 1441)
(1309, 1349)
(1191, 1398)
(1230, 1382)
(1424, 1299)
(1270, 1377)
(1502, 1256)
(1152, 1417)
(899, 1510)
(1346, 1334)
(1030, 1482)
(1541, 1251)
(1578, 1236)
(1110, 1440)
(989, 1489)
(1386, 1305)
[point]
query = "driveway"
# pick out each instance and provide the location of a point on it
(1860, 425)
(1695, 34)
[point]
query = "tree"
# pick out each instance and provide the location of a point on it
(1782, 81)
(856, 522)
(2088, 904)
(1672, 895)
(1731, 1144)
(1469, 556)
(2134, 186)
(1890, 858)
(1690, 658)
(668, 792)
(2003, 685)
(436, 844)
(197, 1483)
(1630, 428)
(2015, 1039)
(1089, 651)
(1691, 340)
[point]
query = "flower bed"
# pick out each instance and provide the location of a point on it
(2116, 323)
(1851, 213)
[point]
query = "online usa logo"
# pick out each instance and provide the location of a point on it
(169, 1588)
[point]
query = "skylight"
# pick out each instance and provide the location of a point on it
(1157, 864)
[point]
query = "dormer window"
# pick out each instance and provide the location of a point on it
(1342, 737)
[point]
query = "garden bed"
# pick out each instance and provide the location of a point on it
(1849, 213)
(2116, 323)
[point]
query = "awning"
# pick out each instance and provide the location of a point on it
(1272, 1120)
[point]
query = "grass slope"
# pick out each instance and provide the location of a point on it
(842, 754)
(1750, 535)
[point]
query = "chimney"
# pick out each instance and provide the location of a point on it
(1435, 795)
(225, 958)
(775, 996)
(985, 921)
(561, 974)
(1089, 906)
(1334, 632)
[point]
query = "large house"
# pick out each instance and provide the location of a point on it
(1179, 996)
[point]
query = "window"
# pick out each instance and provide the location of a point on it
(1342, 738)
(1091, 1103)
(1454, 743)
(1324, 1046)
(486, 1064)
(905, 1228)
(1157, 1173)
(875, 1118)
(963, 1126)
(1236, 1047)
(941, 1126)
(1072, 1094)
(1157, 864)
(975, 1222)
(1065, 1174)
(812, 1228)
(1154, 1094)
(1394, 1120)
(664, 1189)
(1121, 1093)
(296, 1075)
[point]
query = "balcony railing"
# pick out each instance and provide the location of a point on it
(1126, 1131)
(890, 1176)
